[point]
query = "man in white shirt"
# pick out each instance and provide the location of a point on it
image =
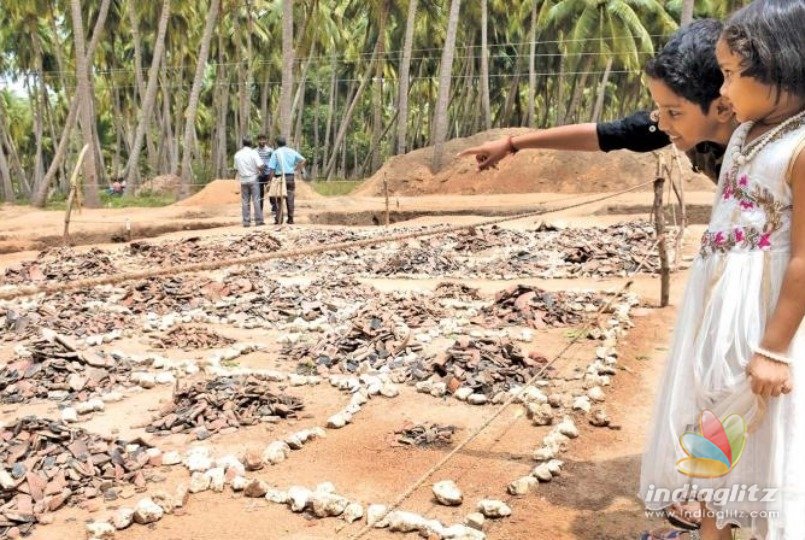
(249, 166)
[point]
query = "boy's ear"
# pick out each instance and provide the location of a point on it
(722, 109)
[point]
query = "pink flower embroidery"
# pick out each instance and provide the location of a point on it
(727, 192)
(747, 205)
(739, 235)
(743, 181)
(719, 238)
(764, 240)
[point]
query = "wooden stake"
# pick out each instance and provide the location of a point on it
(72, 196)
(386, 193)
(659, 227)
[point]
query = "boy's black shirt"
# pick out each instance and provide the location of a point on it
(638, 132)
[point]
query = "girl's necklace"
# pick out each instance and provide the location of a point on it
(746, 152)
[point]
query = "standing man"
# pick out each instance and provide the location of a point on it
(285, 162)
(265, 154)
(249, 166)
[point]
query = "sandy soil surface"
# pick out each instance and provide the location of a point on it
(24, 228)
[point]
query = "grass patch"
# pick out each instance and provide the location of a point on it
(335, 188)
(143, 200)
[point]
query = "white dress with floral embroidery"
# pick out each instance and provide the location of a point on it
(732, 291)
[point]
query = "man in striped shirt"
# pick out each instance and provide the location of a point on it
(265, 152)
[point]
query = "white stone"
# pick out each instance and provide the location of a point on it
(492, 508)
(462, 532)
(390, 390)
(100, 530)
(438, 389)
(463, 393)
(299, 497)
(277, 496)
(477, 399)
(542, 473)
(324, 504)
(276, 452)
(352, 512)
(122, 518)
(216, 476)
(376, 516)
(582, 403)
(475, 520)
(239, 483)
(555, 466)
(568, 428)
(293, 442)
(522, 486)
(544, 453)
(112, 397)
(199, 481)
(317, 433)
(405, 522)
(230, 461)
(164, 501)
(424, 387)
(337, 421)
(165, 378)
(596, 393)
(432, 528)
(171, 458)
(198, 461)
(69, 415)
(447, 493)
(145, 380)
(6, 481)
(147, 511)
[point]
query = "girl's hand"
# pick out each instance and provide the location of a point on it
(769, 378)
(488, 154)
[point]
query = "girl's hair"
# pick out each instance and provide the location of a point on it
(769, 35)
(687, 63)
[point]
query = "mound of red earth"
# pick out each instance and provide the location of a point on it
(529, 171)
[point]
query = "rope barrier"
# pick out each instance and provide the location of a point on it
(51, 288)
(505, 405)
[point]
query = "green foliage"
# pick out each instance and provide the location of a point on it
(336, 187)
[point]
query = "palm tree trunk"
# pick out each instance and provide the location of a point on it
(36, 105)
(264, 104)
(532, 71)
(195, 92)
(91, 197)
(287, 69)
(440, 118)
(5, 174)
(599, 102)
(377, 105)
(139, 89)
(342, 130)
(150, 96)
(405, 73)
(487, 108)
(298, 106)
(314, 172)
(331, 109)
(580, 82)
(687, 12)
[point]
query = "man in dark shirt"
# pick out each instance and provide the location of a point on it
(684, 80)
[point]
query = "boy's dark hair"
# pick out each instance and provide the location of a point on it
(261, 137)
(246, 141)
(687, 63)
(769, 35)
(281, 141)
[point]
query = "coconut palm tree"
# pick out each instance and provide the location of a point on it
(445, 78)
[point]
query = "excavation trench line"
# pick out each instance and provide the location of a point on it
(113, 279)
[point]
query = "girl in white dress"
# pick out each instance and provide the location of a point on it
(729, 423)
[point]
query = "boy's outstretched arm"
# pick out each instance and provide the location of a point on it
(637, 132)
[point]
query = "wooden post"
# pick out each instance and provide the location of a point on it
(659, 227)
(386, 193)
(683, 209)
(73, 194)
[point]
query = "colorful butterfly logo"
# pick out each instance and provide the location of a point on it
(715, 449)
